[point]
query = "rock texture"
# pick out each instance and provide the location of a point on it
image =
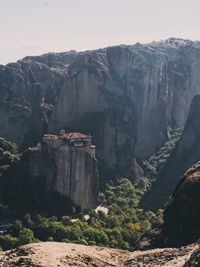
(179, 224)
(64, 255)
(67, 171)
(194, 260)
(185, 154)
(127, 97)
(182, 215)
(53, 177)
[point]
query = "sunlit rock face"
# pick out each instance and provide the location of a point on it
(126, 97)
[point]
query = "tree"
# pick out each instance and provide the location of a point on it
(8, 242)
(18, 226)
(28, 221)
(26, 236)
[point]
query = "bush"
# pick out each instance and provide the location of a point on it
(26, 236)
(8, 242)
(17, 226)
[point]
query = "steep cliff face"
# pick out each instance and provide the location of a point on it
(125, 96)
(50, 179)
(28, 90)
(184, 155)
(86, 105)
(65, 171)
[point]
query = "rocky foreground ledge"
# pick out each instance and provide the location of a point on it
(52, 254)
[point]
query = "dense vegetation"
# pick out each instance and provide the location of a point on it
(121, 227)
(155, 163)
(124, 224)
(8, 155)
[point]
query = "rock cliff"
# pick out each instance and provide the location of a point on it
(179, 224)
(66, 170)
(127, 97)
(185, 154)
(182, 214)
(53, 177)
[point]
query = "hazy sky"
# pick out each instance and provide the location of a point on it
(29, 27)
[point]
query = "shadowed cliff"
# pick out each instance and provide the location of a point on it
(178, 225)
(184, 155)
(182, 214)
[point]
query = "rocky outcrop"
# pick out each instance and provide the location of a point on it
(127, 97)
(185, 154)
(67, 171)
(182, 215)
(53, 254)
(53, 177)
(178, 225)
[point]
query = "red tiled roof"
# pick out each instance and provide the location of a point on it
(74, 135)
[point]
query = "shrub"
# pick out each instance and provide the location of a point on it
(8, 242)
(26, 236)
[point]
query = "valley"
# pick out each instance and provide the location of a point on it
(116, 127)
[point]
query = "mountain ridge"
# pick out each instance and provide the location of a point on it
(127, 97)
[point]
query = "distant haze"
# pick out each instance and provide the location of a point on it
(30, 27)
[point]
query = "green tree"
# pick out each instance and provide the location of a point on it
(28, 221)
(18, 226)
(8, 242)
(26, 236)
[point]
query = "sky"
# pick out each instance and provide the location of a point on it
(34, 27)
